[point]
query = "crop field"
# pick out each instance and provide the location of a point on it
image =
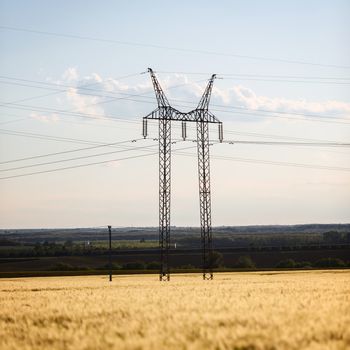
(253, 310)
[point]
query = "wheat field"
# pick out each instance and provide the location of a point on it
(256, 310)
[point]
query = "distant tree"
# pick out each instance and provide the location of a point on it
(347, 237)
(245, 262)
(217, 259)
(287, 263)
(115, 266)
(153, 265)
(8, 242)
(330, 262)
(303, 264)
(332, 237)
(63, 267)
(137, 265)
(187, 267)
(68, 243)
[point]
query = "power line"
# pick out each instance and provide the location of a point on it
(271, 162)
(247, 160)
(111, 94)
(147, 97)
(76, 158)
(282, 112)
(216, 105)
(58, 88)
(198, 51)
(274, 76)
(58, 92)
(93, 116)
(250, 134)
(227, 131)
(115, 144)
(85, 115)
(245, 111)
(70, 151)
(291, 81)
(91, 121)
(284, 143)
(271, 143)
(80, 114)
(122, 119)
(82, 141)
(47, 137)
(76, 166)
(84, 165)
(318, 143)
(272, 136)
(13, 121)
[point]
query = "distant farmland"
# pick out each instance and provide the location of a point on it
(262, 310)
(32, 252)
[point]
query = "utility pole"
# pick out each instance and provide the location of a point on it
(202, 117)
(110, 252)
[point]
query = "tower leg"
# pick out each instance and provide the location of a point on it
(164, 196)
(204, 198)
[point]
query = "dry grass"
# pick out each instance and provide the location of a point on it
(291, 310)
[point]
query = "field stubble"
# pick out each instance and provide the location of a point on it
(288, 310)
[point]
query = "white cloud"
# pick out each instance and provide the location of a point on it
(46, 118)
(113, 164)
(85, 104)
(247, 98)
(179, 89)
(70, 74)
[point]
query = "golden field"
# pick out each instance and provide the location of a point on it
(255, 310)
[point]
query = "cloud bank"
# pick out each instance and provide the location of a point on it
(99, 96)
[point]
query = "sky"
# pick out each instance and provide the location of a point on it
(73, 78)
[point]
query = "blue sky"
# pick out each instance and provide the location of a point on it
(264, 45)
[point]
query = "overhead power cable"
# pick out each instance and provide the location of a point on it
(85, 165)
(111, 95)
(272, 76)
(85, 86)
(270, 143)
(85, 115)
(178, 49)
(177, 151)
(289, 143)
(227, 131)
(315, 143)
(77, 158)
(13, 121)
(271, 162)
(77, 166)
(324, 82)
(301, 141)
(48, 137)
(273, 113)
(286, 115)
(224, 109)
(70, 151)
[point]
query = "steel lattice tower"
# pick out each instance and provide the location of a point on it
(202, 117)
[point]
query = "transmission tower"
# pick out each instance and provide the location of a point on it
(202, 117)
